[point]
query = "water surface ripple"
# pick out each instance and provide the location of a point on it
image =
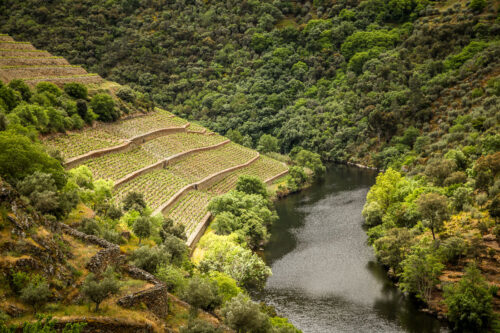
(325, 278)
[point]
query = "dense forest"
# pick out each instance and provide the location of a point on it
(411, 87)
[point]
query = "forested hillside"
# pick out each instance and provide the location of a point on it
(341, 78)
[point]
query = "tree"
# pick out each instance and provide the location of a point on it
(36, 293)
(20, 157)
(477, 5)
(267, 144)
(134, 201)
(201, 293)
(244, 315)
(310, 160)
(434, 210)
(169, 228)
(97, 290)
(420, 273)
(142, 228)
(21, 87)
(104, 106)
(76, 90)
(469, 301)
(251, 185)
(393, 247)
(150, 258)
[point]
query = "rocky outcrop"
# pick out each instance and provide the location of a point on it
(107, 325)
(155, 299)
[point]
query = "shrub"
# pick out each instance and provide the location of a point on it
(173, 277)
(134, 201)
(251, 185)
(104, 106)
(199, 326)
(243, 315)
(21, 87)
(48, 87)
(150, 258)
(76, 90)
(36, 293)
(267, 144)
(90, 227)
(469, 301)
(201, 293)
(227, 286)
(477, 5)
(126, 94)
(310, 160)
(98, 290)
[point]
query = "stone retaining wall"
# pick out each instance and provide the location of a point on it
(204, 183)
(155, 299)
(127, 145)
(164, 163)
(273, 178)
(199, 231)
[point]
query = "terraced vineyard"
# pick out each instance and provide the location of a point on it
(198, 166)
(117, 165)
(158, 186)
(191, 209)
(109, 135)
(179, 142)
(78, 143)
(264, 168)
(21, 60)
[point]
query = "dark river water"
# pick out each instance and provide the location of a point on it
(325, 277)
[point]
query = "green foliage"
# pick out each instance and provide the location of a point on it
(282, 325)
(251, 185)
(227, 286)
(296, 178)
(393, 247)
(243, 315)
(21, 87)
(477, 5)
(310, 160)
(134, 201)
(268, 144)
(434, 210)
(457, 60)
(76, 90)
(104, 106)
(224, 254)
(420, 272)
(48, 87)
(36, 293)
(97, 290)
(20, 157)
(173, 277)
(199, 326)
(201, 293)
(142, 227)
(469, 301)
(43, 325)
(362, 40)
(150, 258)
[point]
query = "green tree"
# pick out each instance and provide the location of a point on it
(104, 106)
(20, 157)
(268, 144)
(97, 290)
(134, 201)
(142, 228)
(393, 247)
(469, 302)
(21, 87)
(76, 90)
(310, 160)
(244, 315)
(420, 273)
(434, 210)
(477, 5)
(36, 293)
(251, 185)
(201, 293)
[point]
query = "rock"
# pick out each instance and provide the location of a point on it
(489, 238)
(155, 298)
(14, 311)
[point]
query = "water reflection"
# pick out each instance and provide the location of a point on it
(325, 278)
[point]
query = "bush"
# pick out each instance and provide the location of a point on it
(227, 286)
(104, 106)
(36, 293)
(243, 315)
(201, 293)
(150, 258)
(76, 90)
(134, 201)
(310, 160)
(199, 326)
(469, 302)
(251, 185)
(98, 290)
(267, 144)
(477, 5)
(173, 277)
(126, 94)
(48, 87)
(90, 227)
(21, 87)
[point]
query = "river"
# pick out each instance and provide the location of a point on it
(325, 277)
